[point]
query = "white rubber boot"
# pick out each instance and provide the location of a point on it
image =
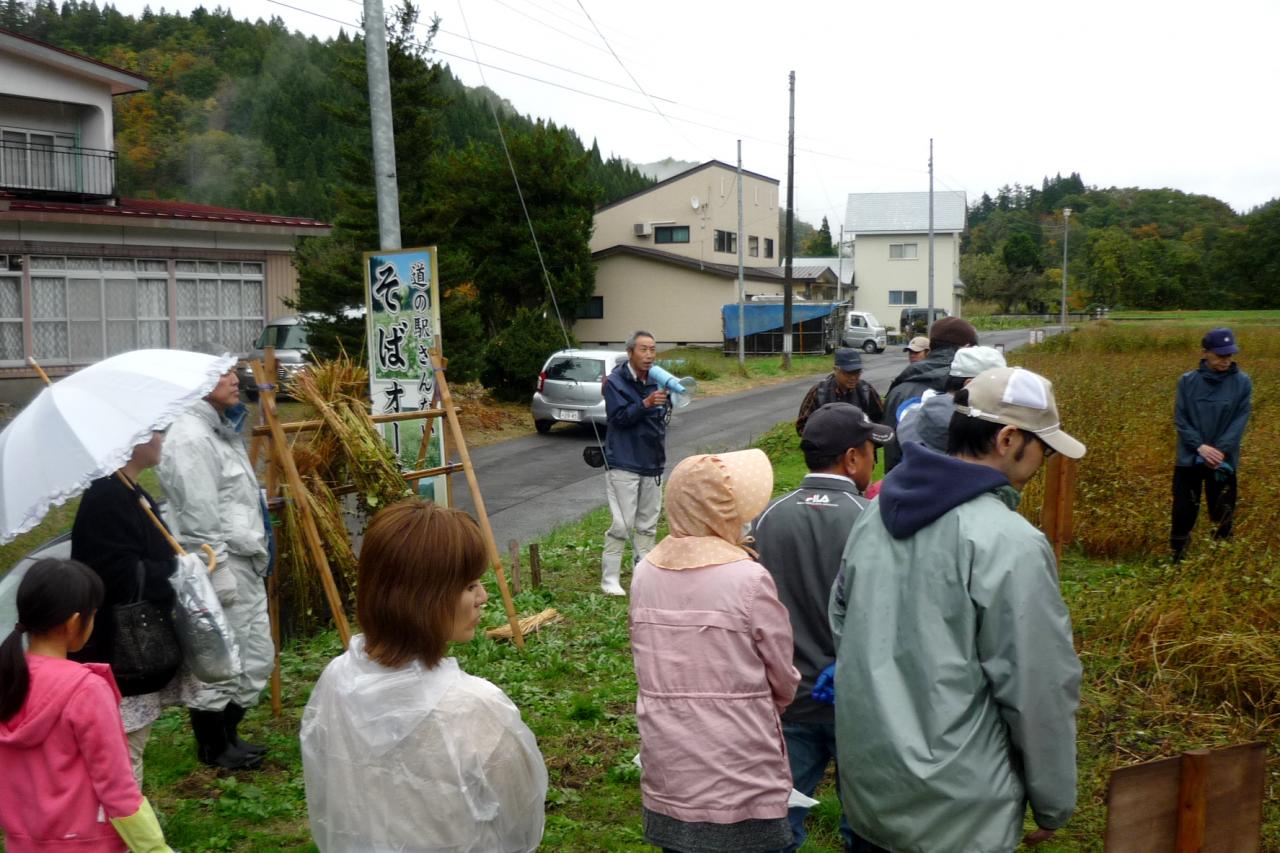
(610, 578)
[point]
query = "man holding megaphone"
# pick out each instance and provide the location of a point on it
(635, 453)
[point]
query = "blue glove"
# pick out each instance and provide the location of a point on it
(824, 689)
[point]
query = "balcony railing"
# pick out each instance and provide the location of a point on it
(35, 170)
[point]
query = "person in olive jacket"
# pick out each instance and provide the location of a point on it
(1211, 413)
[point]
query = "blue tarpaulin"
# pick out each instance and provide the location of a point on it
(764, 317)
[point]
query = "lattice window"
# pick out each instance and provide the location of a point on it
(11, 318)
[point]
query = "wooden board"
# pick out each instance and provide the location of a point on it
(1142, 803)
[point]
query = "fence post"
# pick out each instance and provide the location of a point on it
(514, 548)
(535, 566)
(1059, 501)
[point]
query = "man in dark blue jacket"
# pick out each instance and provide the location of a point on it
(1211, 412)
(635, 453)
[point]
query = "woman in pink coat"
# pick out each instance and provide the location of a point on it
(66, 783)
(712, 647)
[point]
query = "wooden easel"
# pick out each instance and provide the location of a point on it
(272, 436)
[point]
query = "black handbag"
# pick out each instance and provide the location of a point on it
(144, 653)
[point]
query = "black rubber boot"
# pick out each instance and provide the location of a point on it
(231, 718)
(212, 747)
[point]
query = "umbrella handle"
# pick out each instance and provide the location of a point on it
(213, 558)
(38, 369)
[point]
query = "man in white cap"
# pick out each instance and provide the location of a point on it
(917, 349)
(956, 680)
(928, 421)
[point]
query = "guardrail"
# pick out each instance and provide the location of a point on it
(32, 169)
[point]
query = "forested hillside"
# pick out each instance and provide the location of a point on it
(1128, 247)
(251, 115)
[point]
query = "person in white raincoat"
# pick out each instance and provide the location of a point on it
(214, 500)
(401, 750)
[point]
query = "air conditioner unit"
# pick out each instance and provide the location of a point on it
(643, 229)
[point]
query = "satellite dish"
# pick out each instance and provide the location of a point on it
(695, 202)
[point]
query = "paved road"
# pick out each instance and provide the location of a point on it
(532, 484)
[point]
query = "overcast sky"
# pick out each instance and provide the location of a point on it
(1126, 92)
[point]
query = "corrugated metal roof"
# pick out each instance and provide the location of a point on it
(904, 213)
(845, 270)
(798, 273)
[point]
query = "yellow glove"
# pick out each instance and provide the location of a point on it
(141, 831)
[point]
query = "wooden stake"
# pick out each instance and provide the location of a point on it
(513, 548)
(460, 443)
(273, 583)
(280, 450)
(1191, 801)
(535, 566)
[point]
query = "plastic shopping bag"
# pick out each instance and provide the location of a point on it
(208, 646)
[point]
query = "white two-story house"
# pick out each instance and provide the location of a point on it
(667, 258)
(84, 273)
(891, 261)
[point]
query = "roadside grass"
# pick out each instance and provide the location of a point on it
(1206, 318)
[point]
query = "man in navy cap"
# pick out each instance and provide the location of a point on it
(1211, 412)
(842, 385)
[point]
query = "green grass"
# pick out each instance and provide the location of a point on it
(1207, 318)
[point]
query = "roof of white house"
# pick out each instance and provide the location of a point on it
(681, 176)
(904, 213)
(120, 80)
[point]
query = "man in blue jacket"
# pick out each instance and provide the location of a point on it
(635, 453)
(1211, 412)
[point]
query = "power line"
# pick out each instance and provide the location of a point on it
(618, 59)
(316, 14)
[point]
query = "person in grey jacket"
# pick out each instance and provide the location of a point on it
(800, 538)
(214, 500)
(956, 680)
(1211, 413)
(946, 337)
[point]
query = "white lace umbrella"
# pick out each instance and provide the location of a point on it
(85, 426)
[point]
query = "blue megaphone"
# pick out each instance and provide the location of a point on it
(679, 389)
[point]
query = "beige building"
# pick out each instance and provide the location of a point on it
(891, 257)
(667, 258)
(85, 274)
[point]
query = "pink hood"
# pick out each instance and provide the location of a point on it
(66, 762)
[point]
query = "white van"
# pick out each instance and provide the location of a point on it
(864, 331)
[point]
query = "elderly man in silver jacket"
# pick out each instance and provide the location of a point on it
(214, 499)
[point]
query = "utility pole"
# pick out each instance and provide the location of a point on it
(384, 139)
(1066, 233)
(742, 291)
(929, 318)
(840, 264)
(790, 236)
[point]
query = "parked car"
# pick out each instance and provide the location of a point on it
(289, 336)
(864, 331)
(571, 387)
(916, 321)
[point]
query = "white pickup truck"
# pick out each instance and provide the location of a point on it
(864, 331)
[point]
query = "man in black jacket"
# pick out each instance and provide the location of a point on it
(929, 374)
(800, 538)
(635, 453)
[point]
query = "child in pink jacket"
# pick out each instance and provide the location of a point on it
(67, 782)
(712, 646)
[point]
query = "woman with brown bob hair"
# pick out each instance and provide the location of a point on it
(401, 749)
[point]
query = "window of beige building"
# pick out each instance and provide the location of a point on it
(768, 247)
(671, 234)
(903, 251)
(753, 247)
(726, 241)
(902, 297)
